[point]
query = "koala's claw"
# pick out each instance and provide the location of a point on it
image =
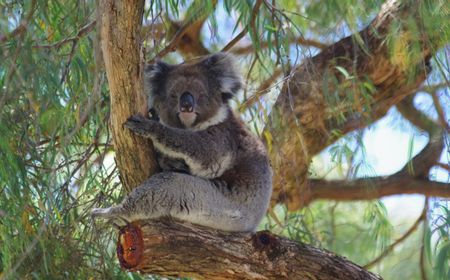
(136, 118)
(138, 124)
(133, 122)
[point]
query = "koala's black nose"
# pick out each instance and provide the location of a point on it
(186, 102)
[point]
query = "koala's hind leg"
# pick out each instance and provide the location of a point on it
(115, 214)
(106, 213)
(185, 197)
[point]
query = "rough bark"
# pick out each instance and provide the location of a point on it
(318, 104)
(120, 28)
(174, 249)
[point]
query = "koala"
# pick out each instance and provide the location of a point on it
(216, 173)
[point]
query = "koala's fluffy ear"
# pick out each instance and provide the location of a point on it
(222, 68)
(155, 76)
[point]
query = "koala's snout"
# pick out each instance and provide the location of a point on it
(187, 102)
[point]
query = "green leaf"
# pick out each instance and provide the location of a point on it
(344, 72)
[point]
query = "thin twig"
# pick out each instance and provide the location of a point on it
(11, 71)
(263, 89)
(174, 42)
(433, 88)
(28, 250)
(391, 247)
(443, 166)
(265, 44)
(69, 62)
(182, 31)
(245, 30)
(83, 31)
(423, 273)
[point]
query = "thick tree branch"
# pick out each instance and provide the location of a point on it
(416, 117)
(175, 249)
(412, 178)
(375, 188)
(421, 164)
(318, 103)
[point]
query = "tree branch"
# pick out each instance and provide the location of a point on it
(318, 103)
(421, 164)
(423, 272)
(299, 41)
(175, 249)
(262, 89)
(440, 111)
(375, 188)
(83, 31)
(246, 29)
(186, 34)
(410, 231)
(416, 117)
(444, 166)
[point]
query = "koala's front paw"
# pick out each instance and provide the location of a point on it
(139, 125)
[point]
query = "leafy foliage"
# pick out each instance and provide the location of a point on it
(56, 148)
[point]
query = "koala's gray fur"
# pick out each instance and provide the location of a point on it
(224, 179)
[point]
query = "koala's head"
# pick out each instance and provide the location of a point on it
(192, 94)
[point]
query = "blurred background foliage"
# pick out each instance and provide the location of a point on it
(57, 156)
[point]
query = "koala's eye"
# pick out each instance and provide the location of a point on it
(153, 115)
(173, 96)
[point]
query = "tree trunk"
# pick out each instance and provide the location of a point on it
(121, 44)
(175, 249)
